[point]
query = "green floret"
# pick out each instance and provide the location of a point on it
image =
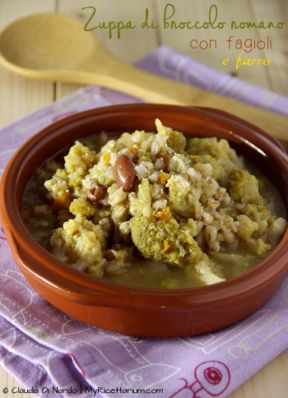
(77, 163)
(218, 171)
(142, 204)
(244, 187)
(258, 246)
(253, 225)
(165, 241)
(175, 139)
(82, 207)
(220, 150)
(211, 146)
(258, 212)
(80, 243)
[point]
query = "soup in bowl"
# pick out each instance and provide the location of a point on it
(154, 209)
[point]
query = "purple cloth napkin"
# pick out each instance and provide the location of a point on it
(54, 355)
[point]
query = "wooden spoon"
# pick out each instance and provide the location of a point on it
(56, 47)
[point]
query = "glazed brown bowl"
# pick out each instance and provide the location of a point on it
(125, 309)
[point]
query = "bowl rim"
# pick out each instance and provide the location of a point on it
(54, 272)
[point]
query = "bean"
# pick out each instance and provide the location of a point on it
(97, 193)
(124, 172)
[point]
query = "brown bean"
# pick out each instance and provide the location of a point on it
(97, 193)
(124, 172)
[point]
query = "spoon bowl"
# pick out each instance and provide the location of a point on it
(46, 41)
(55, 47)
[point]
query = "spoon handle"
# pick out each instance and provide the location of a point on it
(118, 75)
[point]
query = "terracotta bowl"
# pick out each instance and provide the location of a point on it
(139, 311)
